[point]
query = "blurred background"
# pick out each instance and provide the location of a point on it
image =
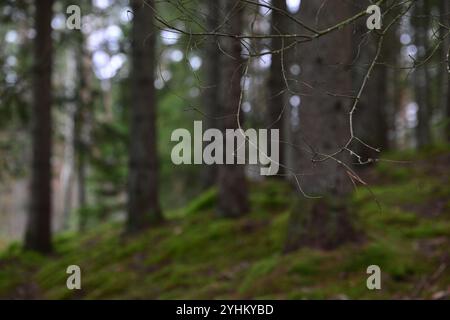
(86, 177)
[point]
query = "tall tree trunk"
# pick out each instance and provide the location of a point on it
(83, 123)
(210, 93)
(143, 202)
(233, 194)
(421, 74)
(447, 109)
(394, 86)
(38, 231)
(324, 127)
(68, 165)
(67, 170)
(370, 118)
(276, 107)
(445, 104)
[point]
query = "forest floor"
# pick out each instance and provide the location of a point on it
(197, 255)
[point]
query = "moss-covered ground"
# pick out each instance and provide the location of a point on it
(405, 217)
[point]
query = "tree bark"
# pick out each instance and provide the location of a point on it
(371, 117)
(324, 119)
(68, 165)
(233, 194)
(445, 104)
(143, 202)
(421, 75)
(276, 107)
(394, 86)
(210, 94)
(83, 124)
(38, 230)
(324, 128)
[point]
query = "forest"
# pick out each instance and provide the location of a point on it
(224, 149)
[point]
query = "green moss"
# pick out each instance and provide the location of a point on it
(109, 284)
(309, 263)
(429, 229)
(257, 271)
(270, 195)
(195, 255)
(396, 217)
(393, 258)
(394, 171)
(205, 201)
(411, 192)
(9, 279)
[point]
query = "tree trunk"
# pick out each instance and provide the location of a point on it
(445, 104)
(276, 107)
(421, 75)
(324, 128)
(67, 170)
(210, 93)
(73, 59)
(143, 202)
(233, 195)
(371, 119)
(394, 86)
(83, 124)
(38, 231)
